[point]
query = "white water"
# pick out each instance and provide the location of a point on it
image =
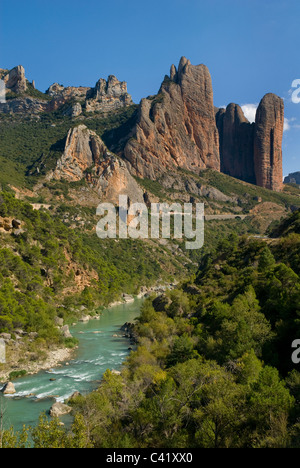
(96, 353)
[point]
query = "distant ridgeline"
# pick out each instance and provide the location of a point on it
(177, 128)
(293, 178)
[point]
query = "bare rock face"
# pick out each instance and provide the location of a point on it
(15, 80)
(86, 156)
(61, 95)
(22, 103)
(8, 389)
(112, 179)
(25, 105)
(268, 142)
(82, 148)
(177, 127)
(74, 110)
(293, 178)
(59, 409)
(236, 143)
(108, 95)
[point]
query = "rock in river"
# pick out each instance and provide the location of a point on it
(59, 409)
(8, 389)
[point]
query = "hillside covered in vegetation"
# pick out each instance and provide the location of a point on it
(213, 364)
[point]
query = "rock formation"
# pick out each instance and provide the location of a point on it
(8, 389)
(236, 143)
(86, 156)
(61, 95)
(293, 178)
(15, 80)
(83, 148)
(106, 96)
(268, 142)
(177, 127)
(252, 152)
(59, 409)
(24, 105)
(74, 110)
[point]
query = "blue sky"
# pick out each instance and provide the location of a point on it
(251, 47)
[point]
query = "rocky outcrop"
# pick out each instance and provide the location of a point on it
(74, 110)
(86, 156)
(236, 143)
(59, 409)
(106, 96)
(10, 225)
(268, 142)
(26, 105)
(253, 152)
(15, 80)
(61, 95)
(129, 332)
(66, 332)
(8, 389)
(188, 185)
(19, 100)
(293, 178)
(177, 127)
(83, 148)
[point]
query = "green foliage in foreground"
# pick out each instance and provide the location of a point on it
(38, 270)
(212, 368)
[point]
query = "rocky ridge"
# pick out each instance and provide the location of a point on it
(86, 156)
(236, 143)
(293, 178)
(177, 128)
(106, 96)
(268, 142)
(181, 128)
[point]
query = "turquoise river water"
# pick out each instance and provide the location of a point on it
(98, 351)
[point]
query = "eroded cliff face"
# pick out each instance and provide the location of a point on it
(236, 143)
(269, 124)
(106, 96)
(253, 152)
(14, 79)
(177, 127)
(86, 156)
(293, 178)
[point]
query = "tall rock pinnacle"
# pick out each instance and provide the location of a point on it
(236, 143)
(177, 127)
(268, 142)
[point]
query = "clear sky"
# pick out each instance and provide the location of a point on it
(251, 47)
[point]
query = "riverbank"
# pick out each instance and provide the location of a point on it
(55, 357)
(101, 346)
(20, 359)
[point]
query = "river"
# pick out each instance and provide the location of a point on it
(98, 351)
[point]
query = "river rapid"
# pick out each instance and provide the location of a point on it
(98, 351)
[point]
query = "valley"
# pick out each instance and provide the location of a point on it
(210, 365)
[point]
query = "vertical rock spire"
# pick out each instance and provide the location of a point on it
(177, 127)
(268, 142)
